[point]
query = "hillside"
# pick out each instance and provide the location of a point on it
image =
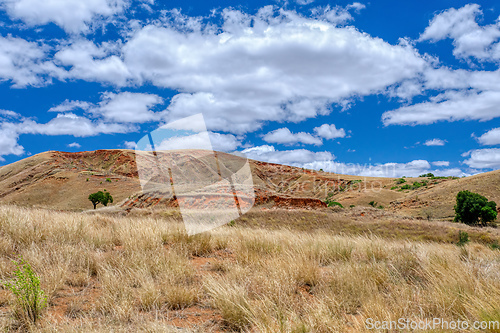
(61, 180)
(439, 199)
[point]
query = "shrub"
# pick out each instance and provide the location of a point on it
(333, 203)
(108, 180)
(30, 298)
(400, 181)
(473, 209)
(427, 175)
(372, 203)
(495, 245)
(463, 238)
(405, 187)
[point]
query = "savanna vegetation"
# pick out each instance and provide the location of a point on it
(104, 273)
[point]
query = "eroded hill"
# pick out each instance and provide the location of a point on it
(63, 181)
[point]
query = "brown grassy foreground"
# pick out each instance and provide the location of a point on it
(117, 274)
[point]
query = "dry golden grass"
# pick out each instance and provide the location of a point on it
(118, 274)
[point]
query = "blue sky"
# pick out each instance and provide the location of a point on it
(385, 88)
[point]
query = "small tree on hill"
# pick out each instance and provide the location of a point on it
(472, 208)
(100, 197)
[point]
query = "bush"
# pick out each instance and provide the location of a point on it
(400, 181)
(474, 209)
(30, 298)
(372, 203)
(463, 238)
(333, 203)
(108, 180)
(427, 175)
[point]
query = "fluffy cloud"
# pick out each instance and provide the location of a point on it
(296, 157)
(129, 144)
(8, 141)
(451, 106)
(329, 131)
(490, 138)
(284, 136)
(267, 67)
(469, 39)
(410, 169)
(127, 107)
(124, 107)
(24, 63)
(441, 163)
(68, 105)
(337, 14)
(74, 145)
(435, 142)
(204, 140)
(71, 124)
(90, 62)
(62, 124)
(326, 161)
(73, 16)
(484, 159)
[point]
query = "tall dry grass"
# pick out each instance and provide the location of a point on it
(118, 274)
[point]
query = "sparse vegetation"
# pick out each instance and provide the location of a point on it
(130, 274)
(474, 209)
(108, 180)
(463, 238)
(444, 177)
(427, 175)
(30, 300)
(400, 181)
(334, 203)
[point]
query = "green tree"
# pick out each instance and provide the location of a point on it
(100, 197)
(474, 209)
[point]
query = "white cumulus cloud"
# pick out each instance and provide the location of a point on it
(441, 163)
(270, 66)
(452, 106)
(329, 131)
(74, 145)
(295, 157)
(284, 136)
(490, 138)
(469, 38)
(484, 159)
(435, 142)
(73, 16)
